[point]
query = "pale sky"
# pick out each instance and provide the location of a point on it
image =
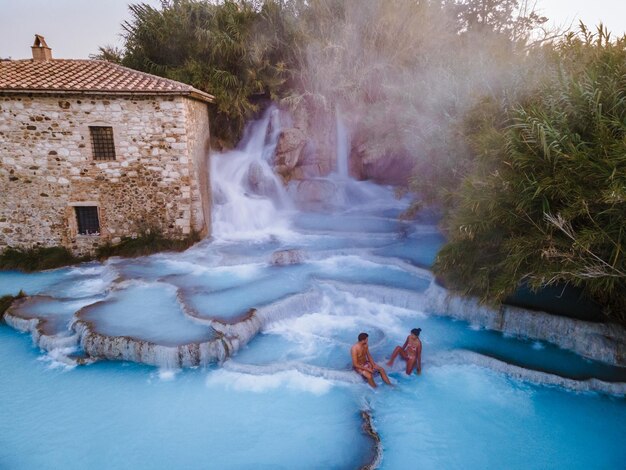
(75, 28)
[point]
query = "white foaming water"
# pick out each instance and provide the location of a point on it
(167, 375)
(343, 148)
(58, 358)
(290, 379)
(350, 193)
(250, 201)
(340, 262)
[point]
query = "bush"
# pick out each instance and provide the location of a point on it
(545, 202)
(148, 243)
(7, 300)
(37, 259)
(232, 49)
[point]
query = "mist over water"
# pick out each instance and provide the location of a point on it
(404, 74)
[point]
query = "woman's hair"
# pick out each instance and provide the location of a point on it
(416, 331)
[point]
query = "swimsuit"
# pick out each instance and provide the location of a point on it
(367, 365)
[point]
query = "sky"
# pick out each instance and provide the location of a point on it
(75, 28)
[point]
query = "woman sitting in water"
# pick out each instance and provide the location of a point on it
(411, 352)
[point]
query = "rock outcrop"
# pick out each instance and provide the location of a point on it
(289, 149)
(287, 257)
(372, 434)
(299, 157)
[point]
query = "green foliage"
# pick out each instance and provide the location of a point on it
(37, 259)
(7, 300)
(545, 201)
(150, 242)
(234, 50)
(512, 18)
(109, 54)
(5, 303)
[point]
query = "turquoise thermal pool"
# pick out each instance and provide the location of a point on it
(247, 361)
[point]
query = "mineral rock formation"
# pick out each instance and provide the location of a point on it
(288, 151)
(287, 257)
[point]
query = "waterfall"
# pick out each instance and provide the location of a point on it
(349, 192)
(343, 149)
(249, 200)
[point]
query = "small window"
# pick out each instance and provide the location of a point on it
(102, 143)
(87, 218)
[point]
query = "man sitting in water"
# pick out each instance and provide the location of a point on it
(411, 352)
(363, 363)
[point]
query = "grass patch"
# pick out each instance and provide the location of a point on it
(7, 300)
(146, 244)
(37, 259)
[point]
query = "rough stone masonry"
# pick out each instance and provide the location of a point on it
(49, 165)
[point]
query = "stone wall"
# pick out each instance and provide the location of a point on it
(158, 178)
(198, 139)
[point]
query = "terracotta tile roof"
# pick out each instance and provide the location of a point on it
(90, 76)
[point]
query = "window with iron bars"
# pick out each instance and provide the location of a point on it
(87, 218)
(102, 143)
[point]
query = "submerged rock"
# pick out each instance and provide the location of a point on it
(261, 183)
(377, 448)
(287, 257)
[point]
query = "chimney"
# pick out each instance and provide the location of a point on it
(41, 51)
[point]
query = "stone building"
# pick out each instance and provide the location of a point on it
(91, 151)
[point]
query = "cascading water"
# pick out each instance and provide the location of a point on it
(286, 396)
(249, 200)
(343, 148)
(350, 192)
